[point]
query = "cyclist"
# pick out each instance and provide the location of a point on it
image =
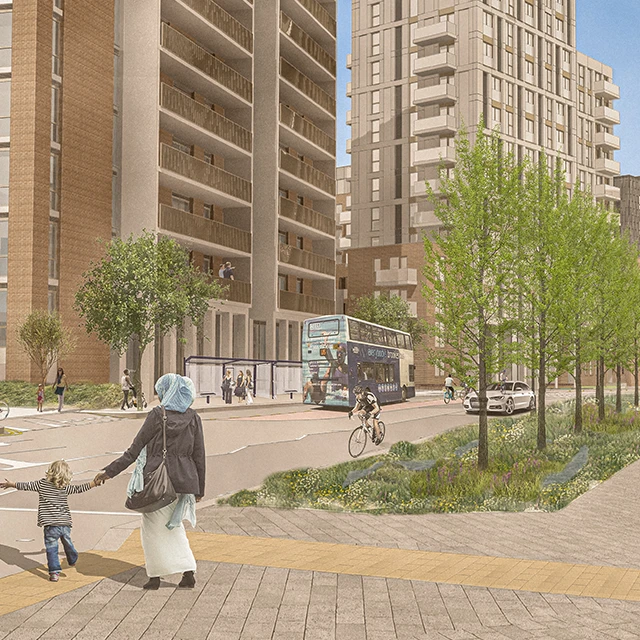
(367, 404)
(448, 385)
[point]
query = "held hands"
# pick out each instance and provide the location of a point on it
(7, 484)
(198, 498)
(100, 478)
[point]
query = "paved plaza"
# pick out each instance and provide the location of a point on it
(303, 574)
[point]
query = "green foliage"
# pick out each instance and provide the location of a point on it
(43, 338)
(389, 311)
(403, 450)
(83, 395)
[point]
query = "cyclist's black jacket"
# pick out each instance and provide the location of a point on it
(369, 401)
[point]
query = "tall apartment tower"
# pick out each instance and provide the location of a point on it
(228, 130)
(629, 205)
(213, 124)
(421, 70)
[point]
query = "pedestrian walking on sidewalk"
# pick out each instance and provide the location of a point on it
(248, 387)
(53, 511)
(227, 386)
(164, 540)
(40, 397)
(60, 386)
(126, 386)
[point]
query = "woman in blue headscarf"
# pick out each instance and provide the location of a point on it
(164, 540)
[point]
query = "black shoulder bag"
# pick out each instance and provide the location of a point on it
(158, 489)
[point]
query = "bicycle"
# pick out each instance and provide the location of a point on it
(358, 437)
(458, 394)
(4, 410)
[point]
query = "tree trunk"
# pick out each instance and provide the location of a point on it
(578, 410)
(137, 375)
(598, 380)
(618, 389)
(483, 430)
(601, 412)
(635, 373)
(542, 384)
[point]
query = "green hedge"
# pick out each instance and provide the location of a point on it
(83, 395)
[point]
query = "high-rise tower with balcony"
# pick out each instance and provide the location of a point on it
(421, 70)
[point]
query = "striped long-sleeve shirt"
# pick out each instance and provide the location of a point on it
(53, 507)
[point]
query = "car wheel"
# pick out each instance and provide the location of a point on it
(508, 407)
(532, 404)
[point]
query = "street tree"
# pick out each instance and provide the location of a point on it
(45, 340)
(389, 311)
(140, 290)
(467, 266)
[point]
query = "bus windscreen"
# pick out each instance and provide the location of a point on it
(323, 328)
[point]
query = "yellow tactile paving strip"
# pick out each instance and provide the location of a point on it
(30, 587)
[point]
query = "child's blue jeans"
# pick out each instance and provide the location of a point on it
(52, 534)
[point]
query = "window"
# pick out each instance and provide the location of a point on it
(375, 72)
(299, 242)
(181, 202)
(181, 146)
(375, 43)
(300, 200)
(208, 158)
(375, 242)
(5, 38)
(559, 27)
(342, 283)
(488, 53)
(283, 193)
(259, 340)
(54, 231)
(55, 113)
(207, 211)
(282, 282)
(548, 24)
(299, 285)
(54, 184)
(375, 189)
(206, 264)
(5, 107)
(375, 160)
(4, 246)
(528, 13)
(56, 53)
(496, 115)
(375, 14)
(282, 237)
(375, 101)
(509, 35)
(375, 219)
(3, 317)
(375, 131)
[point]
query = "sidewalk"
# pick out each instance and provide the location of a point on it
(304, 574)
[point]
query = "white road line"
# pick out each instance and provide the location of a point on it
(91, 513)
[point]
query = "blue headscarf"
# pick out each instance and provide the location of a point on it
(176, 393)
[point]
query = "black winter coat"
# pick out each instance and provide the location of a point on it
(186, 462)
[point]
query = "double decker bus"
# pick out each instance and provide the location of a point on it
(339, 352)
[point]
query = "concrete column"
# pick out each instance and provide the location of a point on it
(209, 333)
(239, 346)
(225, 335)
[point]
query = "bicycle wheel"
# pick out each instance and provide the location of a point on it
(4, 410)
(357, 442)
(381, 427)
(447, 397)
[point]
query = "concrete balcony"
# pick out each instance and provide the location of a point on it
(607, 167)
(184, 173)
(607, 141)
(442, 94)
(348, 90)
(436, 156)
(344, 217)
(419, 189)
(306, 260)
(215, 235)
(348, 145)
(606, 90)
(349, 61)
(300, 133)
(237, 291)
(425, 220)
(185, 117)
(186, 59)
(344, 243)
(205, 19)
(443, 63)
(606, 192)
(348, 118)
(322, 26)
(607, 115)
(443, 33)
(306, 218)
(305, 179)
(309, 55)
(303, 94)
(397, 277)
(435, 126)
(306, 304)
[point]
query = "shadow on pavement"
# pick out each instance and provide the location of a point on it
(16, 558)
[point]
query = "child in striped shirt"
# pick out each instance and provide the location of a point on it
(53, 511)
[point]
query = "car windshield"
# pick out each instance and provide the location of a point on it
(498, 386)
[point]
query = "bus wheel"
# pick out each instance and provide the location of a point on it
(404, 393)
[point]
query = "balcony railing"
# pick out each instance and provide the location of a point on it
(307, 86)
(206, 62)
(320, 14)
(306, 42)
(237, 291)
(225, 22)
(307, 173)
(307, 129)
(606, 192)
(306, 260)
(396, 277)
(212, 231)
(205, 173)
(308, 217)
(306, 304)
(202, 116)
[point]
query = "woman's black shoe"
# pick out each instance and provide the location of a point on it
(154, 583)
(188, 580)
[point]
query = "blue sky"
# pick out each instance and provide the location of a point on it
(608, 30)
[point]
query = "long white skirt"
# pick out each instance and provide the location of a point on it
(166, 551)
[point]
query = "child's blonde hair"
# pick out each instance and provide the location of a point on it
(59, 474)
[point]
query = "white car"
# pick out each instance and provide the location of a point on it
(504, 397)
